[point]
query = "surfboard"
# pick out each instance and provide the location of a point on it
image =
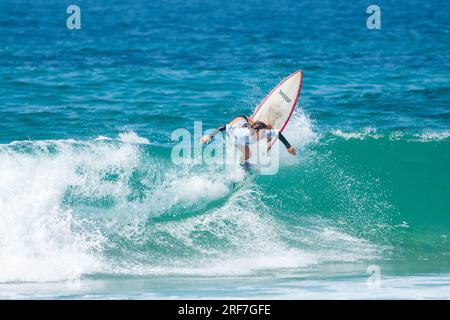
(277, 107)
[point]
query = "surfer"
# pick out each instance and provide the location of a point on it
(243, 132)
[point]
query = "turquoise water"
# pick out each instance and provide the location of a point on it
(92, 206)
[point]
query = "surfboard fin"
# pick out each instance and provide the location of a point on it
(246, 166)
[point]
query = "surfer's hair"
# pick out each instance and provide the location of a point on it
(259, 125)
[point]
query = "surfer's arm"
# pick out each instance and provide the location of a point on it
(284, 140)
(270, 134)
(208, 137)
(216, 131)
(273, 133)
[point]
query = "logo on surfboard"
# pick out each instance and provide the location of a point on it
(285, 97)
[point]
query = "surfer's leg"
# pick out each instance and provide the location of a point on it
(245, 150)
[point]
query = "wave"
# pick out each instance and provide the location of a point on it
(70, 208)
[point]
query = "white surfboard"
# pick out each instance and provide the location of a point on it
(277, 107)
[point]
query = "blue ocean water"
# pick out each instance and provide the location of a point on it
(91, 205)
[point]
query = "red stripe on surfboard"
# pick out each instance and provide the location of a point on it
(295, 102)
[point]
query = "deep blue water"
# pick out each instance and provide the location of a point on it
(136, 62)
(87, 188)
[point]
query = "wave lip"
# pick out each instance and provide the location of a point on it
(432, 135)
(360, 135)
(426, 135)
(132, 137)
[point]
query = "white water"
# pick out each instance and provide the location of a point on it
(52, 229)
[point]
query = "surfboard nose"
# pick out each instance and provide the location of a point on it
(298, 73)
(278, 105)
